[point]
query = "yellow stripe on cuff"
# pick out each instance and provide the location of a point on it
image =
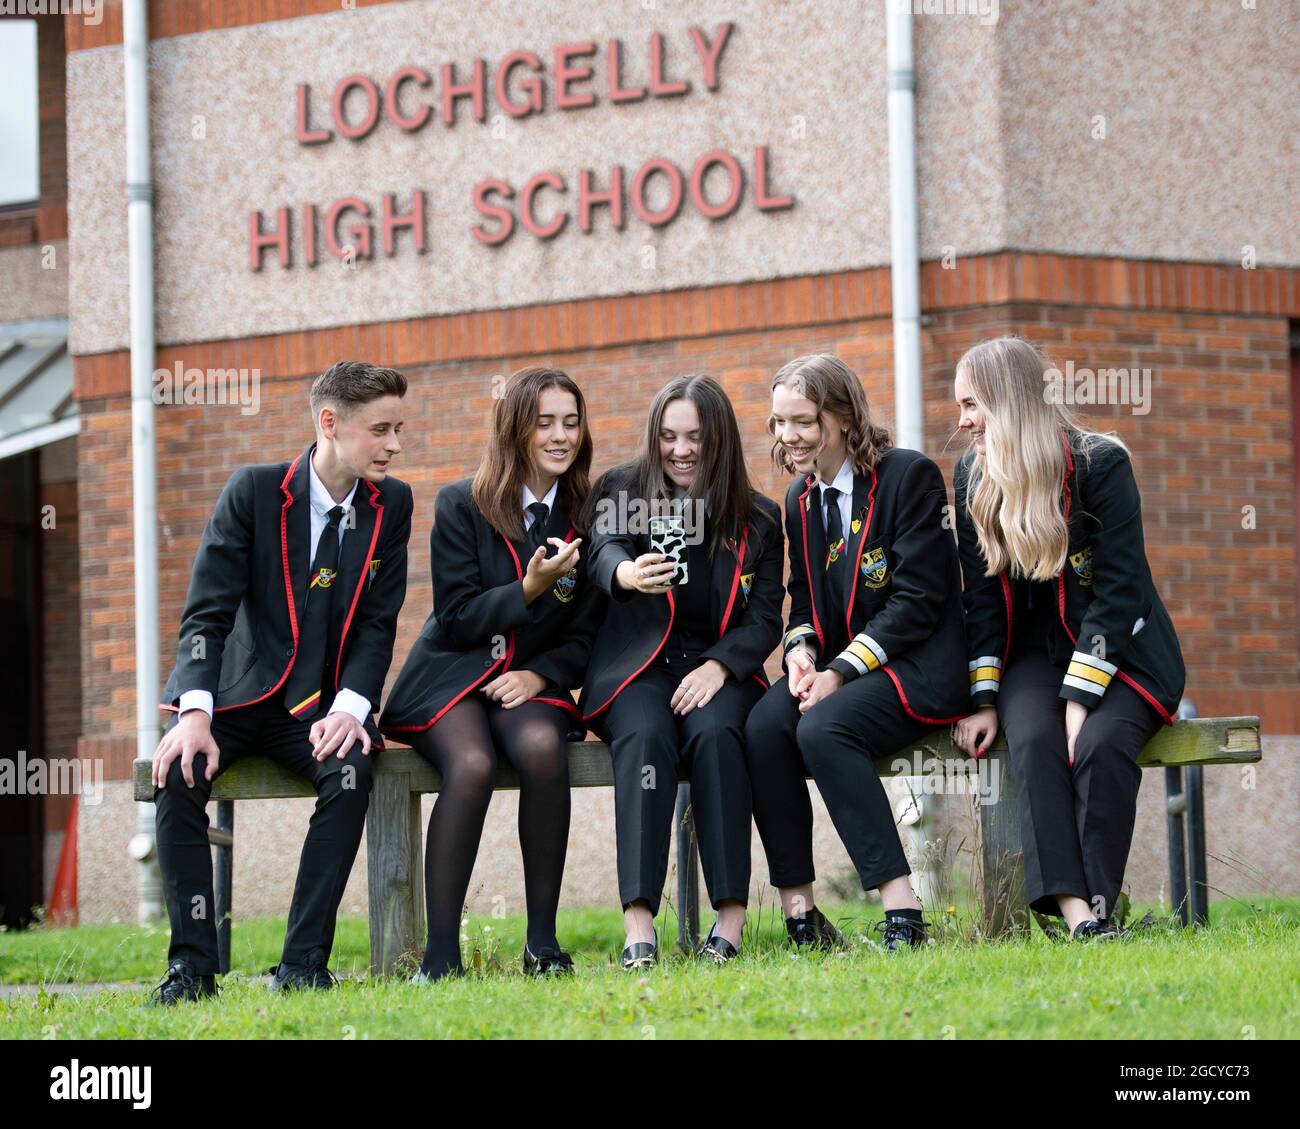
(865, 654)
(983, 673)
(1090, 673)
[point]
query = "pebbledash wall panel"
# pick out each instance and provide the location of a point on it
(1088, 128)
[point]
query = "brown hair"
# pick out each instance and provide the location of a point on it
(502, 472)
(832, 387)
(722, 480)
(346, 385)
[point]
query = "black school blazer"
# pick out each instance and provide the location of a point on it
(745, 599)
(480, 626)
(1106, 598)
(903, 597)
(249, 585)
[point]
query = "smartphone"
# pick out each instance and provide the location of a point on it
(668, 536)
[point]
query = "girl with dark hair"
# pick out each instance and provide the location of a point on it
(1072, 652)
(677, 665)
(874, 654)
(492, 671)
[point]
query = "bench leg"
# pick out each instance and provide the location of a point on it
(688, 873)
(225, 882)
(394, 871)
(1006, 908)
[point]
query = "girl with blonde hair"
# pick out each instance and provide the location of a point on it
(1071, 650)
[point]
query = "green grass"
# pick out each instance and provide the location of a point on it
(1236, 978)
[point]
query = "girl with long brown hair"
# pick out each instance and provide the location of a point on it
(493, 670)
(874, 651)
(679, 658)
(1071, 650)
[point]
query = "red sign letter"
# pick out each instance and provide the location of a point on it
(493, 212)
(670, 170)
(258, 241)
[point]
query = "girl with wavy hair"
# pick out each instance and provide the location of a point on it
(874, 648)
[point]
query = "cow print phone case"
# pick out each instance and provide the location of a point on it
(668, 536)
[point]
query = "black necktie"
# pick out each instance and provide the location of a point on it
(537, 531)
(836, 551)
(302, 694)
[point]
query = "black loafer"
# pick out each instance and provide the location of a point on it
(641, 954)
(547, 962)
(1094, 931)
(181, 984)
(814, 931)
(312, 973)
(900, 932)
(717, 949)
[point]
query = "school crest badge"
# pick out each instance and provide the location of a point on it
(875, 569)
(566, 586)
(746, 583)
(833, 553)
(856, 525)
(324, 578)
(1081, 562)
(372, 572)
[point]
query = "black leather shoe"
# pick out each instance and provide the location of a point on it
(641, 954)
(814, 931)
(717, 949)
(547, 962)
(312, 973)
(1094, 931)
(899, 932)
(181, 985)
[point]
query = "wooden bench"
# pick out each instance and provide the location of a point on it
(394, 834)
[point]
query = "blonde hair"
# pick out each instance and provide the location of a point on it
(1014, 490)
(832, 387)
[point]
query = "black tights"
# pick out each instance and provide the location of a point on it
(463, 747)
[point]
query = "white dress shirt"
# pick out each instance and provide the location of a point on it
(321, 503)
(844, 484)
(548, 501)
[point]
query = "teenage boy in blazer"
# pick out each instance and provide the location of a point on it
(285, 640)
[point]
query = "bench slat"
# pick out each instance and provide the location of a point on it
(1207, 740)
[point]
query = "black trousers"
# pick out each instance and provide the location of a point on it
(337, 824)
(650, 745)
(1076, 822)
(835, 741)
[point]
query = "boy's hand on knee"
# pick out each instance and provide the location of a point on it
(185, 740)
(336, 734)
